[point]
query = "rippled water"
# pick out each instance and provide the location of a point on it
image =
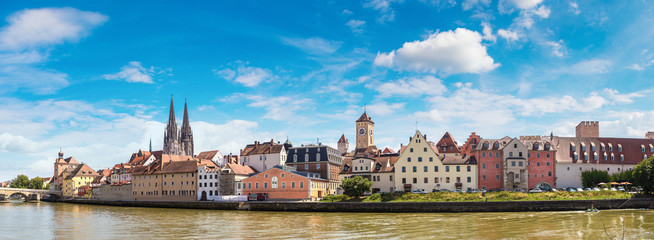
(70, 221)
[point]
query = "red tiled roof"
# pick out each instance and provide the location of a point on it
(342, 139)
(448, 142)
(262, 148)
(82, 170)
(208, 154)
(240, 169)
(365, 118)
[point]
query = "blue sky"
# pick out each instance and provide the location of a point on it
(95, 78)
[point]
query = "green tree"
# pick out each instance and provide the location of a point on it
(356, 186)
(21, 181)
(592, 178)
(626, 176)
(47, 186)
(36, 183)
(644, 175)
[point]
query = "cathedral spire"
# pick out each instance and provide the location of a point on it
(185, 121)
(186, 134)
(171, 115)
(150, 144)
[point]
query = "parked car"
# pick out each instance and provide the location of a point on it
(518, 190)
(580, 189)
(419, 191)
(614, 189)
(482, 190)
(621, 189)
(496, 190)
(588, 189)
(472, 191)
(554, 190)
(571, 190)
(596, 189)
(535, 190)
(605, 189)
(458, 191)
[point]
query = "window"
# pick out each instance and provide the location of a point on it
(519, 154)
(458, 168)
(256, 185)
(431, 159)
(538, 155)
(301, 184)
(468, 168)
(483, 154)
(573, 148)
(549, 174)
(458, 179)
(411, 150)
(483, 166)
(497, 165)
(317, 156)
(537, 164)
(595, 156)
(469, 179)
(622, 157)
(292, 184)
(403, 180)
(419, 159)
(447, 168)
(415, 169)
(425, 168)
(425, 150)
(435, 168)
(317, 166)
(619, 147)
(510, 154)
(576, 157)
(435, 180)
(390, 177)
(426, 180)
(520, 164)
(497, 154)
(485, 145)
(517, 176)
(447, 180)
(415, 180)
(403, 169)
(408, 159)
(513, 163)
(515, 145)
(548, 155)
(483, 177)
(265, 185)
(294, 157)
(306, 166)
(548, 164)
(273, 182)
(249, 185)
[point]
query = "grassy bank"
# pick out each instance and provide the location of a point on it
(477, 197)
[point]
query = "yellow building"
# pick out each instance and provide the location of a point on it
(420, 167)
(170, 179)
(77, 177)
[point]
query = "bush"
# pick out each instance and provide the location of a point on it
(355, 186)
(336, 198)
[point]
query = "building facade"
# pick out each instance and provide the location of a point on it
(284, 183)
(320, 159)
(167, 179)
(75, 178)
(231, 178)
(208, 183)
(264, 155)
(379, 170)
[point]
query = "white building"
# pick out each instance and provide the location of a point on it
(379, 170)
(215, 156)
(208, 183)
(264, 155)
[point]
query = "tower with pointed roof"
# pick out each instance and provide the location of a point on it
(343, 145)
(178, 142)
(365, 131)
(186, 135)
(171, 136)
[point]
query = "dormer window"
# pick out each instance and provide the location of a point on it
(496, 145)
(485, 145)
(622, 157)
(612, 157)
(642, 148)
(378, 167)
(619, 147)
(536, 146)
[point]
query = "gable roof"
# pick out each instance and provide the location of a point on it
(82, 170)
(458, 159)
(448, 141)
(262, 148)
(342, 139)
(209, 154)
(240, 169)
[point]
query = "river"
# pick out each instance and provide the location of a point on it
(72, 221)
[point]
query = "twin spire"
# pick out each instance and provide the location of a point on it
(178, 142)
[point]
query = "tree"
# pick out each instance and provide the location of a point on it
(644, 175)
(356, 186)
(626, 176)
(21, 181)
(36, 183)
(592, 178)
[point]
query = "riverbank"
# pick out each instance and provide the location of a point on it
(483, 197)
(390, 207)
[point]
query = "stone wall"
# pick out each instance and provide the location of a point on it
(517, 206)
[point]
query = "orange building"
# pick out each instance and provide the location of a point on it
(284, 183)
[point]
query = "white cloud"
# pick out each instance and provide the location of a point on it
(508, 35)
(414, 86)
(314, 45)
(280, 108)
(525, 4)
(132, 72)
(557, 48)
(449, 52)
(346, 12)
(469, 4)
(384, 8)
(243, 74)
(542, 11)
(615, 96)
(488, 32)
(640, 66)
(47, 26)
(383, 108)
(17, 143)
(574, 7)
(592, 66)
(26, 77)
(356, 25)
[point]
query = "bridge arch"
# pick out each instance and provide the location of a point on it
(25, 196)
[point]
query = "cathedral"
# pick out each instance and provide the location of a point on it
(178, 142)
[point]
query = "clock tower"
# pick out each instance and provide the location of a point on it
(365, 131)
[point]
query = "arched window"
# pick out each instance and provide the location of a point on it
(622, 157)
(536, 145)
(595, 156)
(496, 145)
(294, 157)
(485, 145)
(306, 157)
(317, 156)
(273, 182)
(612, 157)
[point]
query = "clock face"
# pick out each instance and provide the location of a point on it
(362, 131)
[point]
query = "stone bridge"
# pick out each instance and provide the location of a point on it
(30, 195)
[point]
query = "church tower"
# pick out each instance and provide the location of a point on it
(365, 131)
(186, 135)
(171, 137)
(343, 145)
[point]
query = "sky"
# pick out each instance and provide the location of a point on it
(95, 78)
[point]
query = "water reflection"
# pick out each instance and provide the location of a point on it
(70, 221)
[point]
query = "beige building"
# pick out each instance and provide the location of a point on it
(232, 176)
(419, 167)
(379, 170)
(114, 192)
(75, 178)
(166, 180)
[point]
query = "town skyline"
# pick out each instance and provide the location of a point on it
(247, 79)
